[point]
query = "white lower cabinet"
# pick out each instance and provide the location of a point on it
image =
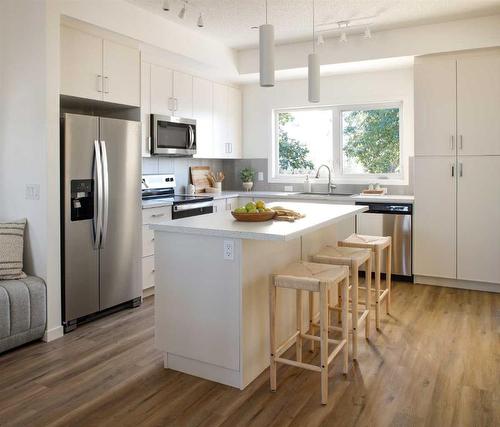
(219, 206)
(148, 272)
(231, 203)
(435, 217)
(478, 216)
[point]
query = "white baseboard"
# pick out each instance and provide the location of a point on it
(53, 334)
(148, 292)
(459, 284)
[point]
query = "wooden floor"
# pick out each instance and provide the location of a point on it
(436, 362)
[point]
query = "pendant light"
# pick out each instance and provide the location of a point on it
(313, 72)
(266, 54)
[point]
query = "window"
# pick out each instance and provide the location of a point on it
(360, 142)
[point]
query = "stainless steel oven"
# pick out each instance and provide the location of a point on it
(172, 136)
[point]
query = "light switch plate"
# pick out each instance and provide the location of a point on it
(260, 176)
(229, 250)
(32, 192)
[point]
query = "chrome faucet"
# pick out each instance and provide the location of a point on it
(331, 185)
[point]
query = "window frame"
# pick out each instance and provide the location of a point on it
(337, 149)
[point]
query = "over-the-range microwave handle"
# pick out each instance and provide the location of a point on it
(97, 173)
(191, 137)
(105, 185)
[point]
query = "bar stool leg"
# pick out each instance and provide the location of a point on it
(311, 320)
(323, 313)
(272, 334)
(300, 318)
(354, 289)
(345, 326)
(388, 278)
(377, 288)
(368, 300)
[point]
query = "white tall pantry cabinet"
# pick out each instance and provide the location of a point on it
(457, 167)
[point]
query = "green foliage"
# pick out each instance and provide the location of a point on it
(247, 174)
(292, 154)
(373, 139)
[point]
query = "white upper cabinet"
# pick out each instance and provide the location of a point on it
(121, 73)
(145, 109)
(227, 122)
(435, 106)
(161, 90)
(478, 213)
(81, 64)
(183, 94)
(435, 217)
(202, 113)
(478, 104)
(99, 69)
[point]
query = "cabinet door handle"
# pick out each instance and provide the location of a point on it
(157, 215)
(171, 104)
(452, 171)
(106, 84)
(452, 143)
(99, 83)
(461, 173)
(176, 103)
(461, 142)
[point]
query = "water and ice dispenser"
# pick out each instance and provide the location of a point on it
(82, 199)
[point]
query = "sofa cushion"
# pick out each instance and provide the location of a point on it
(11, 249)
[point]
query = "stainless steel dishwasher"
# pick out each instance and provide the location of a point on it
(395, 220)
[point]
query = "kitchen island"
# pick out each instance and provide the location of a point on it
(211, 296)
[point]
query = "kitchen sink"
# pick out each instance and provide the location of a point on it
(326, 194)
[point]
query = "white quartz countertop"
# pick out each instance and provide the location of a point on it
(224, 225)
(387, 198)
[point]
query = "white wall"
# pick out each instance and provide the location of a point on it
(379, 86)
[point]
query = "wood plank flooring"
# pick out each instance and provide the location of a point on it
(436, 362)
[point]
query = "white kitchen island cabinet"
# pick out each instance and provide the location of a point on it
(212, 277)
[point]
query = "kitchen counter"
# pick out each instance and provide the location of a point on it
(211, 287)
(224, 225)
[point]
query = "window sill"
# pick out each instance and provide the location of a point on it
(342, 181)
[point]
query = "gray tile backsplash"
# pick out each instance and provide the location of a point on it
(178, 166)
(232, 170)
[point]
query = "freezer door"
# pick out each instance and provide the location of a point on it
(121, 242)
(80, 254)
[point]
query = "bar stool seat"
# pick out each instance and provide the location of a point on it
(353, 258)
(377, 244)
(309, 277)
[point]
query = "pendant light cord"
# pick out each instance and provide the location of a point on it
(266, 11)
(314, 44)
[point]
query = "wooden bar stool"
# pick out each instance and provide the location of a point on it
(377, 244)
(353, 258)
(310, 277)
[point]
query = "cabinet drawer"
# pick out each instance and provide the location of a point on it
(148, 272)
(148, 244)
(156, 215)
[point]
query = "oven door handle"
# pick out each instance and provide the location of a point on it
(190, 206)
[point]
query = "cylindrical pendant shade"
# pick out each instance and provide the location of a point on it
(314, 77)
(266, 55)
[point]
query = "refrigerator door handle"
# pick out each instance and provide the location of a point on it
(97, 172)
(105, 182)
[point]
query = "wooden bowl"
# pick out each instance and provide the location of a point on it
(254, 217)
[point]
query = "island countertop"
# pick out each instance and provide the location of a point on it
(224, 225)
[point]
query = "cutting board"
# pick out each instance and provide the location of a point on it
(199, 178)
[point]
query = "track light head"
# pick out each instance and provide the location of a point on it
(343, 37)
(166, 5)
(200, 22)
(321, 40)
(182, 12)
(368, 33)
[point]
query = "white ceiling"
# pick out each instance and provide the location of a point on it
(229, 21)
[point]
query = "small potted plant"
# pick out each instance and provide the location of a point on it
(247, 175)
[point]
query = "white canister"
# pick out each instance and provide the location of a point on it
(191, 189)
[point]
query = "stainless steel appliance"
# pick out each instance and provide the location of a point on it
(395, 220)
(161, 188)
(101, 216)
(172, 136)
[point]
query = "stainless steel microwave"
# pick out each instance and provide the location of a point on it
(172, 136)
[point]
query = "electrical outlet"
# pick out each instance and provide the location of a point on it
(32, 192)
(288, 187)
(229, 250)
(260, 176)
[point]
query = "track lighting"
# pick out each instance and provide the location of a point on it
(368, 33)
(166, 5)
(200, 21)
(182, 12)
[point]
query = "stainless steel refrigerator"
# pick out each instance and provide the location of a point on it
(101, 216)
